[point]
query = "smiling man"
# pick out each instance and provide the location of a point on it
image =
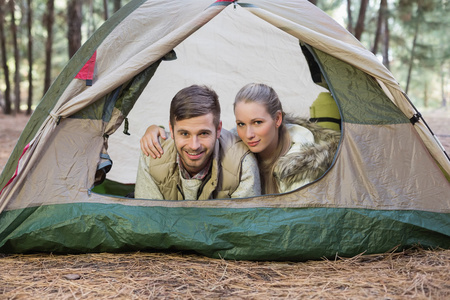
(201, 160)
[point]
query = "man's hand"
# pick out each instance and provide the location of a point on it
(150, 144)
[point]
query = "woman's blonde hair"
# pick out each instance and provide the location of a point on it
(266, 96)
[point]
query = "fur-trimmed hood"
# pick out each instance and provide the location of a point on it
(307, 161)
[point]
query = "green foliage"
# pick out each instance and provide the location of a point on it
(431, 52)
(92, 19)
(330, 6)
(431, 58)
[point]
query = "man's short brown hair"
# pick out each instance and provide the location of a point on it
(195, 101)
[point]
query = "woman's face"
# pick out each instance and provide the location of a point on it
(256, 127)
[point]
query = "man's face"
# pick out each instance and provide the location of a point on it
(195, 139)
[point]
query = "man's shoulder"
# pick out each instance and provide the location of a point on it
(239, 167)
(233, 152)
(228, 141)
(169, 156)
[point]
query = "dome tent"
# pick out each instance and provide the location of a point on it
(387, 186)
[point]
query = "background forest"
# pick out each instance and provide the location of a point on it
(410, 37)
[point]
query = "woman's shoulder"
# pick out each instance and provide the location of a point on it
(299, 136)
(311, 153)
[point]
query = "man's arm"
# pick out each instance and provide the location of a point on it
(250, 184)
(145, 187)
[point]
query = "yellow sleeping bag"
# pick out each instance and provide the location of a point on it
(325, 112)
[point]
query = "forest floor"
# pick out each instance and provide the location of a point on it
(411, 274)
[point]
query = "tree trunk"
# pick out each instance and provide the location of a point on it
(379, 29)
(382, 33)
(117, 5)
(49, 20)
(349, 17)
(7, 106)
(30, 57)
(91, 27)
(413, 48)
(443, 93)
(359, 28)
(425, 94)
(74, 18)
(387, 38)
(105, 6)
(16, 59)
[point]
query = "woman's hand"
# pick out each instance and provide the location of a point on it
(150, 144)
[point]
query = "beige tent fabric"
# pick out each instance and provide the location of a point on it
(68, 157)
(359, 179)
(431, 141)
(354, 181)
(29, 158)
(312, 26)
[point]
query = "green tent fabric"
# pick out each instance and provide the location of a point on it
(388, 187)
